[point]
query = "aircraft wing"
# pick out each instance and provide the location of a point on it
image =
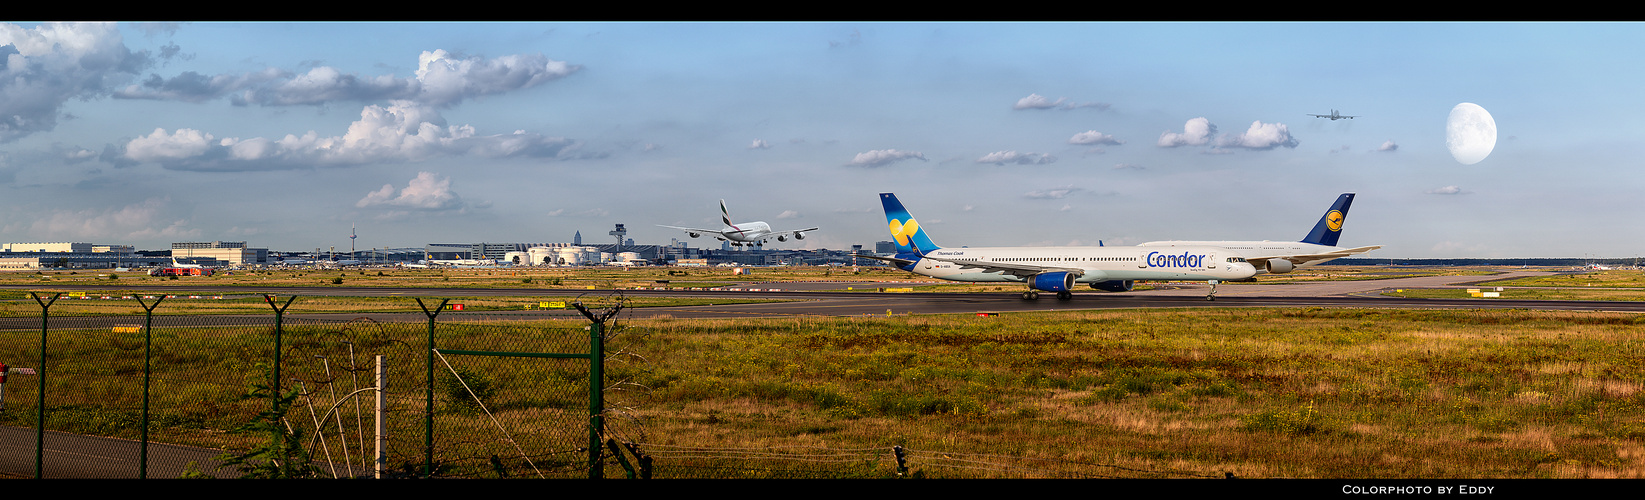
(714, 232)
(1019, 270)
(893, 260)
(1304, 259)
(794, 230)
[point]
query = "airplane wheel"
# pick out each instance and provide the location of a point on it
(1065, 296)
(1210, 298)
(1030, 296)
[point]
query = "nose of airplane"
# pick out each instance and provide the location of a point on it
(1243, 269)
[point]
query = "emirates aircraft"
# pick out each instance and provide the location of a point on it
(1056, 269)
(747, 233)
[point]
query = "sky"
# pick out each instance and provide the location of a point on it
(285, 134)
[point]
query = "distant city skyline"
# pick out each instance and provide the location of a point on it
(286, 135)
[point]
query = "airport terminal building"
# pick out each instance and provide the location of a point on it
(231, 253)
(71, 255)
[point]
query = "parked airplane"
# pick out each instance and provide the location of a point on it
(747, 233)
(1334, 116)
(1283, 256)
(179, 265)
(1055, 269)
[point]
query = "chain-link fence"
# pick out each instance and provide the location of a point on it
(486, 388)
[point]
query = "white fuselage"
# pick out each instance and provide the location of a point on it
(1256, 249)
(747, 232)
(1198, 263)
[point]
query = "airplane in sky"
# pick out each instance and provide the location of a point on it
(1334, 116)
(1279, 257)
(1056, 269)
(747, 233)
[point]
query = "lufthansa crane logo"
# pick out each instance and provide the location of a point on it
(904, 232)
(1333, 221)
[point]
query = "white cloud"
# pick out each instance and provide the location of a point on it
(759, 144)
(42, 68)
(441, 79)
(399, 132)
(1388, 146)
(163, 146)
(788, 214)
(1003, 157)
(425, 192)
(883, 157)
(1090, 137)
(447, 79)
(1052, 194)
(1447, 190)
(145, 220)
(1260, 136)
(1036, 101)
(1197, 132)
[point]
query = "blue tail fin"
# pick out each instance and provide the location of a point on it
(1330, 226)
(909, 236)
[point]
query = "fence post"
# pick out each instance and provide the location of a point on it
(148, 351)
(274, 393)
(428, 411)
(596, 384)
(40, 416)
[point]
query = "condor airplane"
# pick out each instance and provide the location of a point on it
(747, 233)
(1279, 257)
(1056, 269)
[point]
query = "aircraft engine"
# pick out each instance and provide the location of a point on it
(693, 235)
(799, 236)
(1278, 266)
(782, 238)
(1054, 282)
(1114, 285)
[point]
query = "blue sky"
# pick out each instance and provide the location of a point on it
(284, 134)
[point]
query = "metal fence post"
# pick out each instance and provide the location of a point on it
(596, 384)
(428, 417)
(274, 392)
(40, 418)
(148, 352)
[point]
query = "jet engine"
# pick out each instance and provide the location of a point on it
(799, 236)
(782, 238)
(1278, 266)
(1114, 285)
(1054, 282)
(693, 235)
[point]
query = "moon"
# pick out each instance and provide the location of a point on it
(1470, 133)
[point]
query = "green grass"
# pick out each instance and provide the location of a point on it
(1298, 392)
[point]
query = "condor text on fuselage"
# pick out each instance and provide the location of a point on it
(1100, 264)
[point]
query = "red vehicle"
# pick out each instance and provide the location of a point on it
(181, 271)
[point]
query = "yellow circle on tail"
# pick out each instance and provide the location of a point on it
(1333, 221)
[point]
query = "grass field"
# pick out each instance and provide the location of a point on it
(1308, 393)
(1282, 392)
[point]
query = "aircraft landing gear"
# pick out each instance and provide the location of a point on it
(1213, 294)
(1065, 296)
(1030, 295)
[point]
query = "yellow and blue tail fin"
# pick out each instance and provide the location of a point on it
(907, 233)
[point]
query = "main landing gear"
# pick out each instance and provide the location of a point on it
(1213, 294)
(1032, 294)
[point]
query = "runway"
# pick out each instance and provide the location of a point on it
(833, 299)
